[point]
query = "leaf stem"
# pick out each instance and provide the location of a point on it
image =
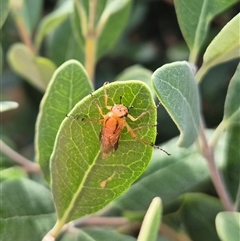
(28, 165)
(215, 137)
(21, 27)
(237, 202)
(91, 41)
(217, 180)
(193, 57)
(126, 226)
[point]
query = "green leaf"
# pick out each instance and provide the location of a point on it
(151, 222)
(177, 90)
(8, 105)
(52, 21)
(26, 210)
(27, 13)
(79, 22)
(231, 172)
(222, 48)
(228, 226)
(137, 72)
(68, 85)
(83, 182)
(63, 36)
(198, 214)
(1, 59)
(232, 103)
(169, 177)
(37, 70)
(112, 18)
(32, 11)
(111, 24)
(12, 173)
(4, 10)
(95, 234)
(194, 18)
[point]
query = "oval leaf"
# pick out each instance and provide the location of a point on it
(232, 103)
(223, 48)
(68, 85)
(83, 182)
(194, 18)
(177, 90)
(228, 226)
(151, 222)
(37, 70)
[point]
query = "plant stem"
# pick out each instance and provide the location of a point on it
(217, 180)
(90, 59)
(100, 221)
(126, 226)
(91, 41)
(24, 34)
(28, 165)
(21, 27)
(215, 137)
(237, 202)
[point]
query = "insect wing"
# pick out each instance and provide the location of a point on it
(109, 142)
(110, 134)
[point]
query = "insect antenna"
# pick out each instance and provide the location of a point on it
(159, 148)
(75, 117)
(120, 101)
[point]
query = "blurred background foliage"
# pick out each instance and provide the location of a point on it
(152, 38)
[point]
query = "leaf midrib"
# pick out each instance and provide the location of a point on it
(189, 109)
(76, 195)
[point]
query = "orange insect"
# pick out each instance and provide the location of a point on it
(113, 124)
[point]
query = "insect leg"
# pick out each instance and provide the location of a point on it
(106, 97)
(143, 113)
(134, 136)
(99, 108)
(84, 119)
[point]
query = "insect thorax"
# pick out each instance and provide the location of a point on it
(119, 110)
